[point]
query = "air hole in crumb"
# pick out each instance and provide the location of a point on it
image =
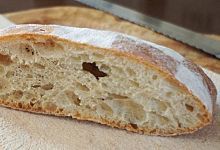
(48, 86)
(35, 86)
(104, 108)
(39, 66)
(49, 106)
(33, 100)
(28, 48)
(189, 107)
(88, 107)
(4, 85)
(19, 105)
(5, 60)
(134, 83)
(93, 69)
(73, 98)
(60, 109)
(24, 67)
(153, 131)
(31, 104)
(10, 74)
(29, 76)
(77, 101)
(154, 77)
(169, 94)
(117, 96)
(205, 115)
(131, 72)
(91, 108)
(49, 48)
(82, 87)
(104, 85)
(17, 95)
(1, 70)
(55, 62)
(134, 125)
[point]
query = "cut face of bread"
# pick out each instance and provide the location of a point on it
(104, 77)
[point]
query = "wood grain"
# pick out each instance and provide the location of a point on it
(22, 130)
(84, 17)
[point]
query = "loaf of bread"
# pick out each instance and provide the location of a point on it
(105, 77)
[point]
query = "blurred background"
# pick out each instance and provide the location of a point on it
(199, 15)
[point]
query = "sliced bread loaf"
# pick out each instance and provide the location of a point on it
(105, 77)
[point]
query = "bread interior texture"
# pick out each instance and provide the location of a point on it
(92, 84)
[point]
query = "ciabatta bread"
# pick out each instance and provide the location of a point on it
(105, 77)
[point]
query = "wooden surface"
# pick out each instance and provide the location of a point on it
(84, 17)
(202, 16)
(22, 130)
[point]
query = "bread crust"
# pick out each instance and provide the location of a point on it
(111, 123)
(161, 59)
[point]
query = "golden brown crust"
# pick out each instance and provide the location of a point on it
(111, 123)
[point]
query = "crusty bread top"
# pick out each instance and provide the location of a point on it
(190, 76)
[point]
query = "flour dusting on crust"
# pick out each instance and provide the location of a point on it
(104, 39)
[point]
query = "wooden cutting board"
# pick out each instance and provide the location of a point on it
(22, 130)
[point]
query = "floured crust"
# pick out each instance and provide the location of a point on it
(165, 61)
